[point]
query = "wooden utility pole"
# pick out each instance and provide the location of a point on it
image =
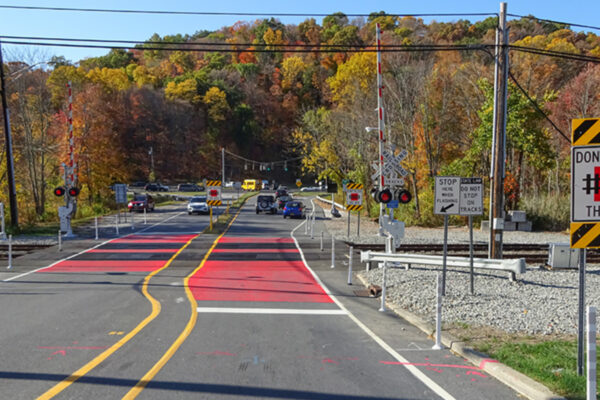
(499, 138)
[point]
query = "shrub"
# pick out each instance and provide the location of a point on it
(547, 211)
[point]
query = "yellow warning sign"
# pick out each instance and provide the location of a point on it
(350, 186)
(214, 202)
(213, 183)
(585, 131)
(585, 235)
(356, 207)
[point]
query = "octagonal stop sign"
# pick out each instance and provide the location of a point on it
(213, 193)
(354, 197)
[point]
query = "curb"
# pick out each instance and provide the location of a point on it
(521, 383)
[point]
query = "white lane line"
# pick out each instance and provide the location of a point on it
(411, 368)
(294, 311)
(83, 251)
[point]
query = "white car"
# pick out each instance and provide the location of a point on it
(197, 205)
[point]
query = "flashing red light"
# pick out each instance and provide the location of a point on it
(59, 191)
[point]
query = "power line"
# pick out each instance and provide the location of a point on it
(208, 13)
(278, 162)
(537, 107)
(554, 22)
(558, 54)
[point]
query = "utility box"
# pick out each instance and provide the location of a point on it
(561, 255)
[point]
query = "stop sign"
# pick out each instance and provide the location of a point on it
(354, 197)
(213, 193)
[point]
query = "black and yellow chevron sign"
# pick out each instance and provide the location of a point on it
(585, 131)
(214, 202)
(585, 235)
(357, 186)
(213, 183)
(356, 207)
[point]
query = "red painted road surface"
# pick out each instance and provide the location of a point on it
(254, 279)
(99, 264)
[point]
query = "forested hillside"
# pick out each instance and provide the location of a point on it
(269, 92)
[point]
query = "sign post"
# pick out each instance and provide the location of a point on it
(354, 200)
(471, 203)
(213, 197)
(585, 206)
(447, 199)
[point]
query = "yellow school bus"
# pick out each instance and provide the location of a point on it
(251, 184)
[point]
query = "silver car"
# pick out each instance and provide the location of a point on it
(197, 205)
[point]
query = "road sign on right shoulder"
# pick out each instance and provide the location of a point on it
(471, 196)
(447, 195)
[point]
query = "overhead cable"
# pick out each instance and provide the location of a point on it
(553, 22)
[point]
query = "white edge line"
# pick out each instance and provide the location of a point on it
(296, 311)
(86, 250)
(411, 368)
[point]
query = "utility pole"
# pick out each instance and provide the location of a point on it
(499, 138)
(222, 168)
(12, 191)
(380, 125)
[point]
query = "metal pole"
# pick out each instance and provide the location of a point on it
(306, 225)
(321, 241)
(471, 279)
(581, 305)
(210, 224)
(591, 354)
(349, 215)
(222, 168)
(380, 125)
(10, 252)
(10, 168)
(96, 227)
(497, 184)
(438, 315)
(350, 266)
(59, 241)
(2, 221)
(117, 224)
(145, 216)
(382, 307)
(312, 226)
(445, 255)
(332, 251)
(132, 223)
(358, 224)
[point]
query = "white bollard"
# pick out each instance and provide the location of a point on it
(59, 241)
(96, 226)
(145, 216)
(312, 227)
(306, 225)
(591, 354)
(350, 266)
(9, 252)
(382, 308)
(132, 223)
(438, 315)
(321, 240)
(117, 225)
(332, 251)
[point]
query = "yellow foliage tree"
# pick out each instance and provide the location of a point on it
(216, 104)
(185, 90)
(291, 68)
(112, 79)
(354, 78)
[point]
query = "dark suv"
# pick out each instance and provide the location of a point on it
(266, 203)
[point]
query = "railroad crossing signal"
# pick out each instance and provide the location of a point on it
(391, 168)
(585, 183)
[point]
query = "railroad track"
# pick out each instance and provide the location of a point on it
(533, 253)
(19, 249)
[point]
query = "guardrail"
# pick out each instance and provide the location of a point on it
(514, 266)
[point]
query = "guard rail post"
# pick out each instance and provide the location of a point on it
(382, 308)
(332, 251)
(350, 265)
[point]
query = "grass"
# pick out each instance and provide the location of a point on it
(552, 361)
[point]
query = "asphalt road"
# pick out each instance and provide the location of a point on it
(167, 312)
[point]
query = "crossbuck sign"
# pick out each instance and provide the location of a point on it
(391, 168)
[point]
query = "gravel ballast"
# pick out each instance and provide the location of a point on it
(541, 301)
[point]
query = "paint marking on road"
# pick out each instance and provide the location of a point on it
(296, 311)
(437, 389)
(59, 387)
(142, 383)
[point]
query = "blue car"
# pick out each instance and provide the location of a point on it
(293, 209)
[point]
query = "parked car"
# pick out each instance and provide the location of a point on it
(189, 187)
(141, 202)
(197, 205)
(138, 185)
(282, 200)
(294, 208)
(156, 187)
(266, 203)
(265, 185)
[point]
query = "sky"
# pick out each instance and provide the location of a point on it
(140, 27)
